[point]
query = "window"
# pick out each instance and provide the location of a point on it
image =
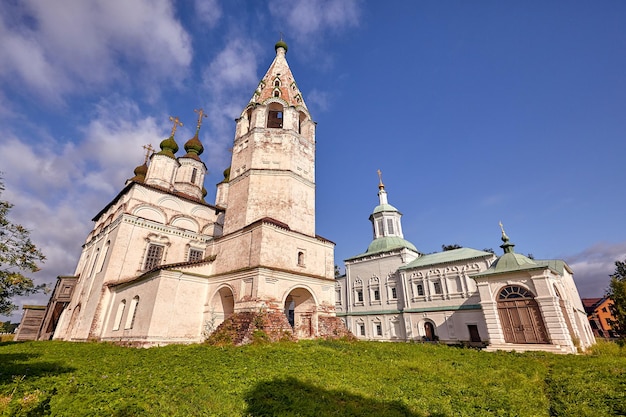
(300, 258)
(362, 329)
(376, 295)
(153, 257)
(381, 232)
(390, 226)
(275, 118)
(379, 329)
(420, 289)
(194, 172)
(132, 312)
(118, 316)
(277, 83)
(437, 287)
(195, 255)
(277, 94)
(359, 296)
(604, 310)
(394, 293)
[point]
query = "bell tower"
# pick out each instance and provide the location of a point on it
(272, 174)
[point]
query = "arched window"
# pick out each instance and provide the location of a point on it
(277, 83)
(118, 316)
(514, 291)
(300, 258)
(276, 93)
(420, 289)
(194, 173)
(132, 312)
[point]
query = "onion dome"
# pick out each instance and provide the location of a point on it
(169, 147)
(226, 175)
(204, 192)
(194, 148)
(281, 44)
(140, 173)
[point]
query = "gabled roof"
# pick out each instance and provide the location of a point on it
(448, 256)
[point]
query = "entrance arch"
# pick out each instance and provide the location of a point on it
(520, 316)
(429, 331)
(300, 309)
(221, 307)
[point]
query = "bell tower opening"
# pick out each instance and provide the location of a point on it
(275, 115)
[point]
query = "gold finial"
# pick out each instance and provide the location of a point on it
(177, 123)
(149, 151)
(380, 180)
(501, 226)
(201, 114)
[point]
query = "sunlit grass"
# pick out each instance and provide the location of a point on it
(313, 378)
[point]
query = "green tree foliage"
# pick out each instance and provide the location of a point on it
(18, 255)
(617, 293)
(450, 247)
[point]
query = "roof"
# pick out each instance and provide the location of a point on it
(446, 257)
(386, 244)
(278, 82)
(556, 265)
(384, 207)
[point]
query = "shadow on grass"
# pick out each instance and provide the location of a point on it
(14, 365)
(291, 397)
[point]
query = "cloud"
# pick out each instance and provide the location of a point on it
(57, 48)
(307, 18)
(593, 266)
(57, 188)
(229, 80)
(208, 11)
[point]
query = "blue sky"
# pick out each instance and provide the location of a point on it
(475, 112)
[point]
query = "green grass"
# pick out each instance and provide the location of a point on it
(311, 378)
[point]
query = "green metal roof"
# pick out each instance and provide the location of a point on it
(556, 265)
(385, 244)
(511, 262)
(445, 257)
(384, 207)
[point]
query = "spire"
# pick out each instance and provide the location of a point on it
(193, 146)
(278, 81)
(382, 194)
(507, 246)
(168, 146)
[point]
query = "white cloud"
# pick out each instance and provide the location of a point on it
(229, 79)
(60, 47)
(306, 18)
(593, 266)
(57, 188)
(209, 11)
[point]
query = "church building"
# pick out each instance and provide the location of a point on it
(163, 266)
(393, 292)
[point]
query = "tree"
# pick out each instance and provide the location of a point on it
(450, 247)
(18, 255)
(617, 293)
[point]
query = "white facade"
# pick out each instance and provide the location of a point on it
(392, 292)
(163, 266)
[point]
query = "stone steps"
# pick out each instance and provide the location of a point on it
(528, 347)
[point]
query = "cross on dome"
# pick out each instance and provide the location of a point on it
(177, 123)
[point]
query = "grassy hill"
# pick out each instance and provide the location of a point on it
(309, 378)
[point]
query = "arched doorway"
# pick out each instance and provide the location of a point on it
(520, 316)
(300, 310)
(429, 331)
(221, 307)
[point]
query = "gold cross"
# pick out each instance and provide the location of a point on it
(380, 179)
(149, 151)
(201, 114)
(501, 227)
(177, 123)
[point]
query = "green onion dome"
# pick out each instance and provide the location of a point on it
(281, 44)
(194, 148)
(169, 147)
(140, 173)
